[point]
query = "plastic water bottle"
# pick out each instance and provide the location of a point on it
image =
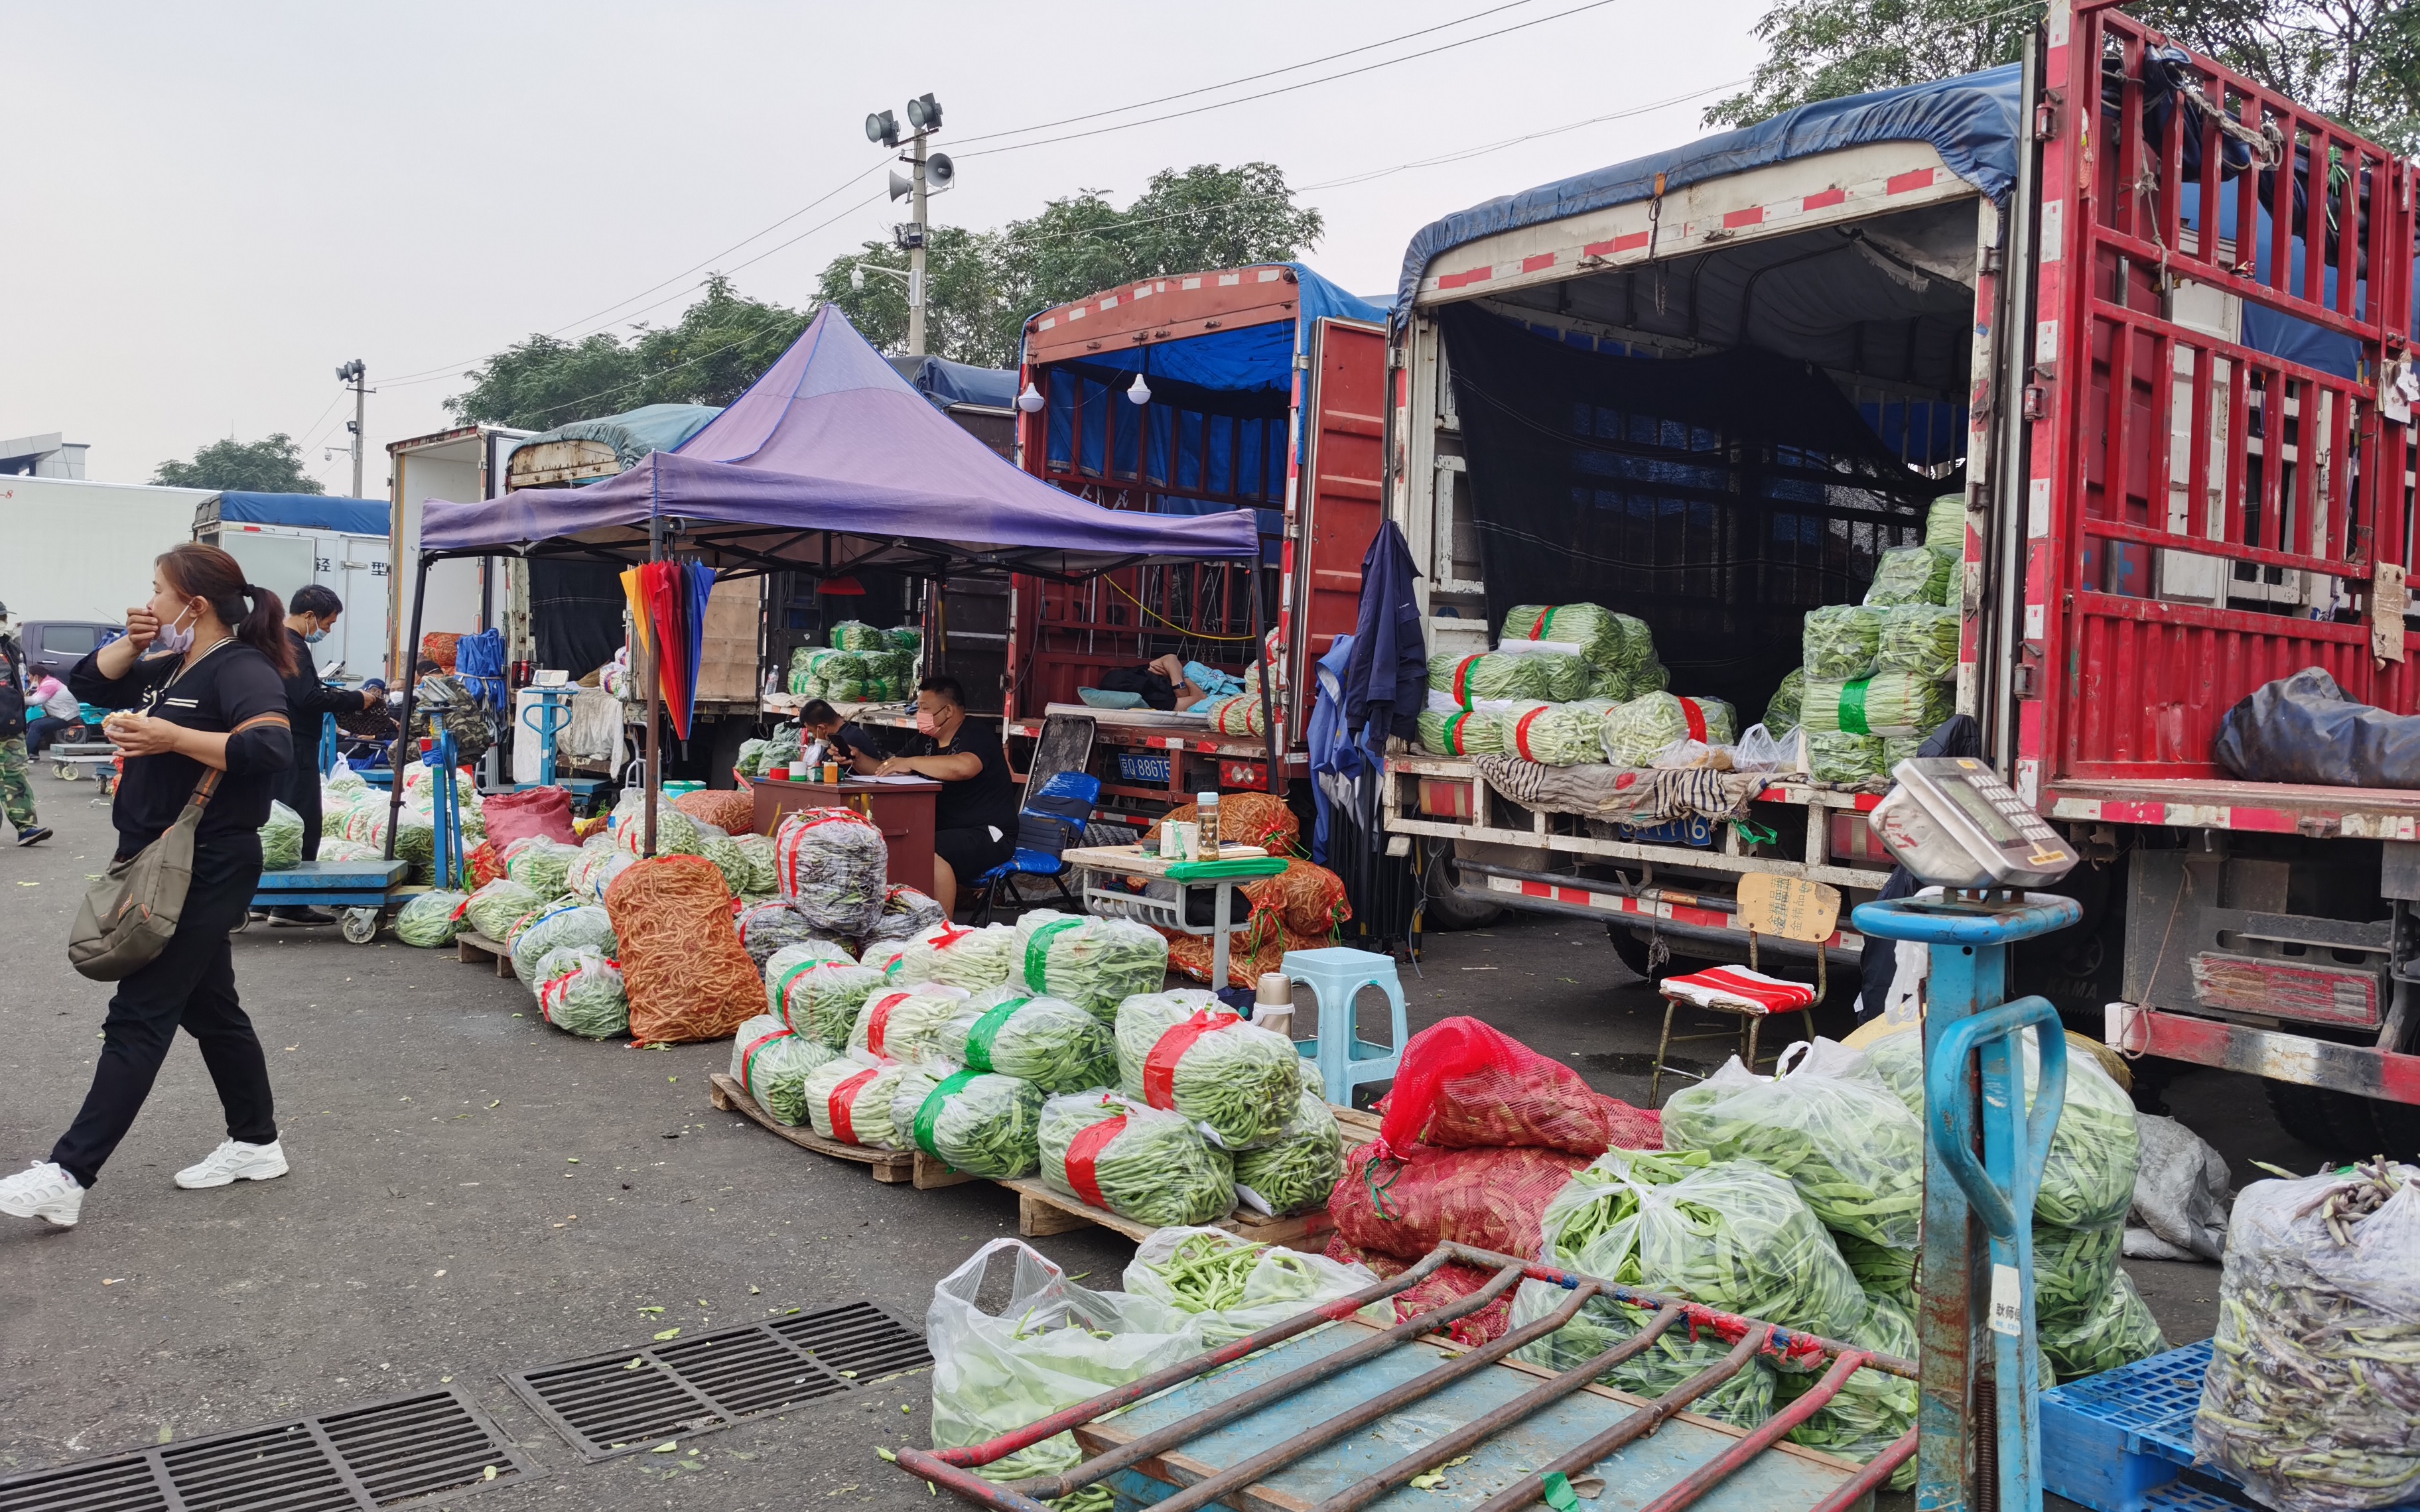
(1207, 806)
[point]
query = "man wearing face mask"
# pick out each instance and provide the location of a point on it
(974, 817)
(312, 613)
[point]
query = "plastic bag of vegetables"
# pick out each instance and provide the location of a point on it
(856, 635)
(1552, 734)
(281, 839)
(822, 1001)
(905, 1023)
(729, 859)
(676, 832)
(786, 964)
(1238, 1081)
(772, 1061)
(1135, 1161)
(763, 881)
(1781, 711)
(1631, 734)
(1596, 634)
(1886, 703)
(1096, 964)
(1236, 1286)
(1911, 575)
(594, 870)
(1294, 1171)
(1944, 523)
(767, 928)
(580, 992)
(2074, 1269)
(907, 913)
(1920, 640)
(586, 925)
(1841, 641)
(494, 909)
(431, 918)
(337, 848)
(2120, 1332)
(2314, 1384)
(1051, 1344)
(1463, 733)
(848, 1099)
(1046, 1040)
(1872, 1408)
(833, 867)
(1833, 757)
(979, 1122)
(1486, 676)
(541, 865)
(1560, 678)
(970, 959)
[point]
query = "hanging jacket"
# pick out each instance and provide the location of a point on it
(1385, 683)
(1325, 737)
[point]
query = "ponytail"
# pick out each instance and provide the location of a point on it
(207, 572)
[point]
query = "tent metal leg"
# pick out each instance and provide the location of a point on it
(410, 674)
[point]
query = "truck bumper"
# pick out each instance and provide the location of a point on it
(2361, 1070)
(1722, 935)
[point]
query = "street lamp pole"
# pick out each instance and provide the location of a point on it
(353, 373)
(916, 250)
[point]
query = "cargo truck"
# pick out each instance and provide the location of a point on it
(2153, 322)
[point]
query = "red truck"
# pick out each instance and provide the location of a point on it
(1257, 388)
(2155, 322)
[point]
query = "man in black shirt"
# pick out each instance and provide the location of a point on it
(974, 818)
(848, 742)
(311, 613)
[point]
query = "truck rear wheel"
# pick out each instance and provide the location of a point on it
(2342, 1125)
(1632, 952)
(1446, 906)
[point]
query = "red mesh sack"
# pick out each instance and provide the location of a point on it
(1462, 1082)
(683, 967)
(1490, 1198)
(439, 647)
(542, 812)
(1246, 819)
(486, 864)
(1308, 896)
(731, 810)
(1260, 947)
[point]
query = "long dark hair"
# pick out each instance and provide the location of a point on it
(207, 572)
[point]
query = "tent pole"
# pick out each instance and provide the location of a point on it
(1276, 782)
(396, 757)
(655, 691)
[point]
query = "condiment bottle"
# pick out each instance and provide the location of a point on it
(1206, 807)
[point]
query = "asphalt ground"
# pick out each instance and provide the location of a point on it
(475, 1193)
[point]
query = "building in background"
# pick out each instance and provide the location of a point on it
(50, 456)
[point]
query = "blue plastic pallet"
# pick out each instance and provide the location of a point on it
(2119, 1441)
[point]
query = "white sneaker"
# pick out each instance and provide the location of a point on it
(44, 1190)
(234, 1161)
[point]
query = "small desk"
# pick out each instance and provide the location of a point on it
(1165, 913)
(902, 811)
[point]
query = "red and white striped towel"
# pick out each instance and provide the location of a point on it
(1738, 990)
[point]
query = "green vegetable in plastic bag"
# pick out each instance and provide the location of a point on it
(2120, 1332)
(1463, 733)
(979, 1122)
(1553, 735)
(1873, 1409)
(1562, 677)
(431, 918)
(677, 833)
(2073, 1272)
(766, 929)
(541, 865)
(1841, 641)
(1879, 1270)
(1736, 1237)
(905, 1023)
(856, 635)
(1486, 676)
(729, 859)
(1295, 1171)
(1151, 1166)
(1631, 734)
(1832, 757)
(822, 1001)
(772, 1062)
(1897, 748)
(1886, 703)
(1175, 1051)
(1054, 1045)
(1610, 684)
(337, 848)
(1654, 678)
(1831, 1127)
(793, 960)
(281, 839)
(587, 925)
(1919, 638)
(1781, 712)
(907, 913)
(848, 1097)
(1604, 639)
(762, 879)
(1912, 575)
(498, 906)
(1096, 964)
(594, 870)
(750, 760)
(969, 959)
(1237, 1286)
(580, 991)
(1944, 523)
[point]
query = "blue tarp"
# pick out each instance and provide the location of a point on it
(1256, 358)
(946, 383)
(651, 428)
(306, 511)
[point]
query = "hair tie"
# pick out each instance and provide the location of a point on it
(253, 590)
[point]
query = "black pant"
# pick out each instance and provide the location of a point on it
(302, 794)
(191, 983)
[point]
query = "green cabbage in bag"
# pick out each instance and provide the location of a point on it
(1840, 642)
(1176, 1052)
(1295, 1171)
(772, 1062)
(979, 1122)
(1151, 1166)
(1054, 1045)
(1096, 964)
(1463, 732)
(281, 839)
(432, 918)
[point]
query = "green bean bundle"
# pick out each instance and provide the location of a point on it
(1631, 733)
(2074, 1269)
(595, 868)
(1562, 677)
(772, 1061)
(1832, 757)
(766, 929)
(764, 879)
(2117, 1333)
(786, 964)
(1831, 1128)
(1610, 684)
(1738, 1238)
(1463, 733)
(581, 992)
(1872, 1408)
(1552, 734)
(1920, 640)
(856, 635)
(1096, 964)
(431, 918)
(1115, 1152)
(1238, 1081)
(1912, 575)
(1886, 703)
(1599, 635)
(821, 1000)
(848, 1099)
(1295, 1171)
(970, 959)
(541, 865)
(494, 907)
(281, 839)
(729, 859)
(1046, 1040)
(905, 1023)
(979, 1122)
(677, 833)
(1841, 641)
(1781, 711)
(1879, 1270)
(1486, 676)
(1944, 523)
(566, 922)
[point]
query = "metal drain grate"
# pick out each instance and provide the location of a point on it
(604, 1406)
(377, 1456)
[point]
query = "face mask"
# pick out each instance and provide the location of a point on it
(174, 639)
(316, 637)
(928, 722)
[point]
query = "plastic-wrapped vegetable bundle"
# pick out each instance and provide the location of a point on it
(856, 635)
(1136, 1160)
(1841, 641)
(1833, 757)
(1237, 1286)
(1781, 711)
(1897, 748)
(1562, 678)
(2118, 1331)
(729, 859)
(1879, 1270)
(1610, 683)
(2074, 1269)
(281, 839)
(833, 865)
(2314, 1381)
(1295, 1171)
(822, 1001)
(907, 638)
(771, 926)
(1631, 734)
(594, 870)
(1598, 635)
(906, 914)
(1096, 964)
(1486, 676)
(1921, 638)
(1553, 735)
(1886, 703)
(581, 994)
(1872, 1408)
(750, 760)
(677, 833)
(1944, 523)
(1238, 1081)
(1241, 714)
(786, 964)
(979, 1122)
(431, 918)
(1463, 733)
(1830, 1127)
(541, 865)
(840, 675)
(1736, 1237)
(1653, 678)
(969, 959)
(763, 881)
(905, 1023)
(1053, 1043)
(337, 848)
(344, 783)
(1911, 575)
(772, 1062)
(587, 925)
(495, 908)
(848, 1099)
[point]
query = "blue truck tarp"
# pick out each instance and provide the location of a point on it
(634, 433)
(306, 511)
(946, 383)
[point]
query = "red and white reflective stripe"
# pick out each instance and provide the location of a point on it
(1103, 304)
(1610, 903)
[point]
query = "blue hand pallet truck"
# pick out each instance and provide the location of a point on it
(366, 893)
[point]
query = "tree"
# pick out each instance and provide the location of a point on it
(2357, 61)
(271, 465)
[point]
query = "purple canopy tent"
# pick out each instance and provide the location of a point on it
(830, 462)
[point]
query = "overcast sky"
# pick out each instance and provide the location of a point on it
(210, 207)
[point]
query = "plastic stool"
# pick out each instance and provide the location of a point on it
(1336, 975)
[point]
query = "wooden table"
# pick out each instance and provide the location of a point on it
(1164, 913)
(902, 811)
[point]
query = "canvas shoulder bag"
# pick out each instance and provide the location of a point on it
(130, 913)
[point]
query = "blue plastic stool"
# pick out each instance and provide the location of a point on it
(1336, 975)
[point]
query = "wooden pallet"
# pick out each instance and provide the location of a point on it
(889, 1166)
(476, 948)
(1042, 1210)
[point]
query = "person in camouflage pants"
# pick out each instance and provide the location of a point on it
(16, 770)
(16, 790)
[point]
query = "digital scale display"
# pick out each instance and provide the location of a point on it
(1954, 824)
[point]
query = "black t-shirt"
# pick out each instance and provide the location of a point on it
(988, 797)
(233, 690)
(307, 698)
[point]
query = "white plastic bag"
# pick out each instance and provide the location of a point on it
(1759, 751)
(1052, 1344)
(1282, 1284)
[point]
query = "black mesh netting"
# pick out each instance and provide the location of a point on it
(1716, 498)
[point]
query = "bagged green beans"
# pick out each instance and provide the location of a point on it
(772, 1061)
(1611, 684)
(1096, 964)
(1463, 733)
(730, 860)
(765, 929)
(580, 992)
(1921, 640)
(281, 839)
(1830, 1127)
(822, 1001)
(1912, 575)
(594, 870)
(1237, 1286)
(494, 907)
(1295, 1171)
(1897, 748)
(905, 1023)
(1553, 735)
(1841, 641)
(2118, 1331)
(1486, 676)
(567, 923)
(856, 635)
(762, 879)
(1116, 1152)
(1631, 734)
(1832, 757)
(1599, 635)
(432, 918)
(1944, 523)
(2074, 1269)
(1872, 1408)
(907, 913)
(1238, 1081)
(1879, 1270)
(1737, 1237)
(970, 959)
(979, 1122)
(848, 1099)
(1783, 711)
(1560, 678)
(541, 865)
(677, 833)
(1886, 703)
(785, 965)
(1051, 1043)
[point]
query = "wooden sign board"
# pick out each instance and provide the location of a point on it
(1791, 907)
(2388, 598)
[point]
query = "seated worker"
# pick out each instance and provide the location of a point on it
(974, 817)
(61, 717)
(823, 722)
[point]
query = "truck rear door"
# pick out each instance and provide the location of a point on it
(1338, 495)
(2220, 492)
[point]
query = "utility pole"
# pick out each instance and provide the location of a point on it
(916, 249)
(924, 169)
(357, 376)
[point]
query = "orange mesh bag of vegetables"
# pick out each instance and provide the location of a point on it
(1463, 1084)
(1490, 1198)
(683, 968)
(1258, 948)
(486, 864)
(439, 647)
(1309, 896)
(1453, 1281)
(731, 810)
(1246, 819)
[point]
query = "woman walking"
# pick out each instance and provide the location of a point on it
(208, 685)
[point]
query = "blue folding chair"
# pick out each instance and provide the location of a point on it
(1053, 819)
